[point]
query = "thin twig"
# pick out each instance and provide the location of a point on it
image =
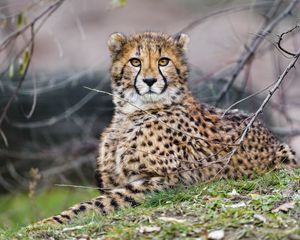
(281, 38)
(28, 26)
(34, 100)
(52, 8)
(7, 106)
(249, 51)
(54, 119)
(161, 121)
(75, 186)
(2, 134)
(246, 98)
(266, 100)
(234, 9)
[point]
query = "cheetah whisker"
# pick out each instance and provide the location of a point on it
(152, 115)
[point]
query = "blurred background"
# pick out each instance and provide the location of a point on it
(50, 125)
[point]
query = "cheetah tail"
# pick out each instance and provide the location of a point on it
(104, 204)
(130, 195)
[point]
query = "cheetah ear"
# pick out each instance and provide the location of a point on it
(115, 42)
(182, 40)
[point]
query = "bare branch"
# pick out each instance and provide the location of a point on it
(29, 25)
(234, 9)
(54, 119)
(281, 38)
(7, 106)
(249, 51)
(266, 100)
(246, 98)
(51, 9)
(76, 186)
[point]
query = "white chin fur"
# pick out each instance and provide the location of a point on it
(151, 97)
(135, 102)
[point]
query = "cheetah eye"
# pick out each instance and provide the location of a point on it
(135, 62)
(163, 62)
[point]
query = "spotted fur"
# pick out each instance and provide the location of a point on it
(160, 136)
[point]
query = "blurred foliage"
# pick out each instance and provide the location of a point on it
(20, 20)
(24, 61)
(118, 3)
(21, 209)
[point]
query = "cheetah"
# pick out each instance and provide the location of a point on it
(161, 137)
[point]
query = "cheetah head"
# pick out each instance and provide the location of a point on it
(148, 69)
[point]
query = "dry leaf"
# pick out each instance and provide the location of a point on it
(171, 219)
(260, 217)
(149, 229)
(238, 205)
(233, 193)
(216, 235)
(284, 207)
(210, 199)
(254, 195)
(73, 228)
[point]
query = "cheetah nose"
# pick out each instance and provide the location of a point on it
(149, 81)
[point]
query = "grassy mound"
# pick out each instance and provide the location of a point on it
(267, 207)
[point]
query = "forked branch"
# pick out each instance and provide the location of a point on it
(11, 38)
(249, 51)
(266, 100)
(281, 37)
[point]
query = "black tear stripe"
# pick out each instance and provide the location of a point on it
(135, 79)
(165, 81)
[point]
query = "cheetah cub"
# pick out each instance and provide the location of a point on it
(161, 137)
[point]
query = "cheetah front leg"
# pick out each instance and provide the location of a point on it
(131, 195)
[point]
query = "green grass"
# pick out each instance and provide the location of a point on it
(182, 213)
(19, 210)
